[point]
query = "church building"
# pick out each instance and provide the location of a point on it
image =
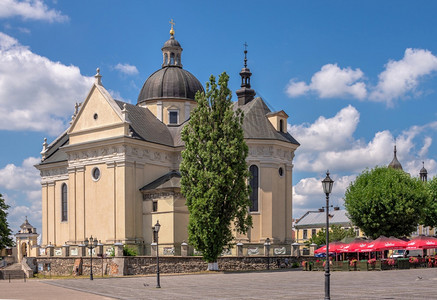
(114, 172)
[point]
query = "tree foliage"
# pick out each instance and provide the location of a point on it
(214, 171)
(430, 211)
(336, 233)
(5, 231)
(385, 201)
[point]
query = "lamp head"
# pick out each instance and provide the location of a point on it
(327, 184)
(157, 226)
(86, 242)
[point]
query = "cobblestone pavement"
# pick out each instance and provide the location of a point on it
(37, 290)
(289, 284)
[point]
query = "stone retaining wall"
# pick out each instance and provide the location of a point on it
(143, 265)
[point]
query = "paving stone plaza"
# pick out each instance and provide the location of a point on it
(289, 284)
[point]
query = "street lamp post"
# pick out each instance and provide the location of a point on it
(327, 184)
(156, 230)
(91, 244)
(267, 247)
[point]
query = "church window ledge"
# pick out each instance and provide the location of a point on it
(95, 173)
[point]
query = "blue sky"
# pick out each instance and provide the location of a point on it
(354, 77)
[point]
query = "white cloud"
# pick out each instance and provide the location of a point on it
(36, 93)
(23, 178)
(331, 81)
(319, 136)
(308, 193)
(352, 156)
(22, 192)
(30, 10)
(401, 77)
(398, 80)
(126, 69)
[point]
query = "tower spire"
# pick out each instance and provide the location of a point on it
(245, 94)
(395, 164)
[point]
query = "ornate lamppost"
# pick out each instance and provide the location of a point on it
(156, 230)
(91, 244)
(327, 184)
(267, 247)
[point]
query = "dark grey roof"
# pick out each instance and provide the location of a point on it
(54, 154)
(317, 218)
(257, 126)
(170, 82)
(395, 164)
(146, 126)
(172, 42)
(169, 180)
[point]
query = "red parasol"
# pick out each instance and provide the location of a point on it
(333, 247)
(384, 243)
(422, 242)
(355, 246)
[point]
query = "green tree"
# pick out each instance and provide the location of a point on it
(214, 171)
(5, 231)
(430, 211)
(385, 201)
(336, 233)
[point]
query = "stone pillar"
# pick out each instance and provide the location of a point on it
(240, 249)
(118, 248)
(99, 249)
(154, 248)
(50, 250)
(184, 249)
(312, 249)
(65, 250)
(37, 247)
(82, 250)
(295, 249)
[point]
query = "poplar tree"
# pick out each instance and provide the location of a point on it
(5, 231)
(214, 172)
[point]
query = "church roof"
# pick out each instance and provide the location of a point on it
(146, 126)
(54, 154)
(256, 124)
(169, 180)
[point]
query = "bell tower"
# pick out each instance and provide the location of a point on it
(245, 94)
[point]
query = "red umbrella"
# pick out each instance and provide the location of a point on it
(333, 247)
(355, 246)
(422, 242)
(384, 243)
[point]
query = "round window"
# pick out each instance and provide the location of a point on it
(281, 171)
(96, 116)
(96, 173)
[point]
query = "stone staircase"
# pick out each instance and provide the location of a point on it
(13, 271)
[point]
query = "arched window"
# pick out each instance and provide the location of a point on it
(254, 186)
(281, 125)
(64, 203)
(172, 59)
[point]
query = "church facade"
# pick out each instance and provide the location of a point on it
(114, 172)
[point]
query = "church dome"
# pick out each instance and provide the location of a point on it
(172, 81)
(395, 164)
